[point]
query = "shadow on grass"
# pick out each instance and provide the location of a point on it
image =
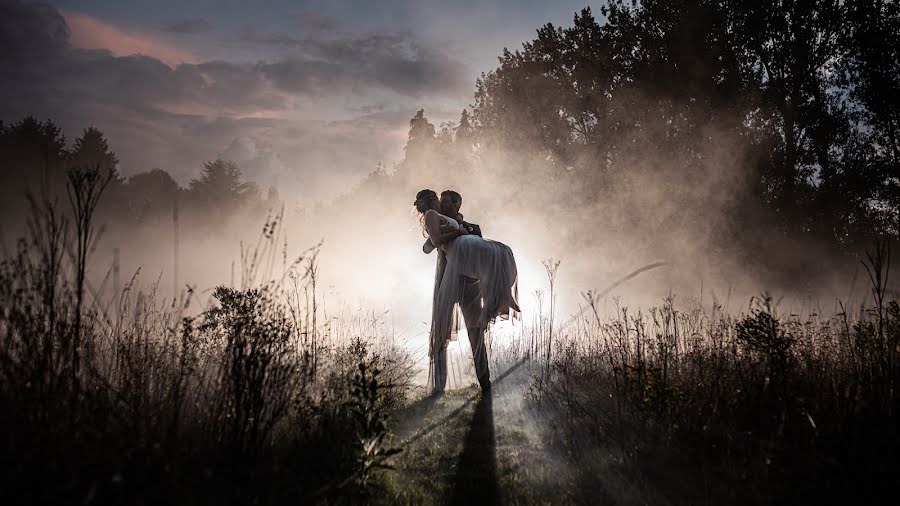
(476, 476)
(423, 405)
(418, 409)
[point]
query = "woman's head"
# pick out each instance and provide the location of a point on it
(426, 200)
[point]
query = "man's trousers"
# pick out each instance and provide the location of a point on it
(470, 306)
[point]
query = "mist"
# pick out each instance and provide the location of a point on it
(661, 176)
(213, 287)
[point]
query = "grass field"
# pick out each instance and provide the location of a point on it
(262, 399)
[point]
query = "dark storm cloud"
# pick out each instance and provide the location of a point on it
(321, 61)
(314, 23)
(30, 34)
(175, 118)
(39, 64)
(396, 61)
(191, 26)
(35, 37)
(254, 35)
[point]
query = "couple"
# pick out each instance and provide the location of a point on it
(476, 273)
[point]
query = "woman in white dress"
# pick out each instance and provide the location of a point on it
(463, 255)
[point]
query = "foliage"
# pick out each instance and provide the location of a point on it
(133, 400)
(762, 407)
(365, 407)
(669, 87)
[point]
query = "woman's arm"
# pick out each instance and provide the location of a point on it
(433, 228)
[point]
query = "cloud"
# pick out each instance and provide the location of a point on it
(296, 121)
(260, 162)
(191, 26)
(392, 61)
(91, 33)
(314, 23)
(30, 33)
(319, 66)
(311, 160)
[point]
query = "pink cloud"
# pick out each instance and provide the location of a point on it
(91, 33)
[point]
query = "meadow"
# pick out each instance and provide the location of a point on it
(136, 400)
(264, 398)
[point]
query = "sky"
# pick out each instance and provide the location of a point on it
(307, 97)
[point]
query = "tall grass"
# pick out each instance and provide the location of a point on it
(137, 400)
(710, 408)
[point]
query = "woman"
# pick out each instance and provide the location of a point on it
(463, 255)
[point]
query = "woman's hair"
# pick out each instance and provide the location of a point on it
(425, 200)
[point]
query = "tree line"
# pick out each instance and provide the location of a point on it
(776, 116)
(37, 160)
(783, 115)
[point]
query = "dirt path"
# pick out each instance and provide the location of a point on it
(467, 448)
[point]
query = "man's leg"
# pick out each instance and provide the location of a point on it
(471, 310)
(479, 353)
(440, 370)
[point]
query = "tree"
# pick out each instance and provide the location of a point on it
(796, 48)
(591, 98)
(220, 188)
(33, 155)
(446, 134)
(151, 195)
(33, 152)
(421, 136)
(874, 60)
(804, 93)
(91, 151)
(465, 133)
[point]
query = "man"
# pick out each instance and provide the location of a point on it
(469, 303)
(450, 203)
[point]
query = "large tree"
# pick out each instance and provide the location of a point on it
(32, 162)
(221, 187)
(91, 151)
(792, 103)
(151, 195)
(33, 153)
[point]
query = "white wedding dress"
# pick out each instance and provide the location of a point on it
(490, 262)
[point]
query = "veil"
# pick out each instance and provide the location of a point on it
(444, 319)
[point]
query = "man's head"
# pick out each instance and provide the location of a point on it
(450, 202)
